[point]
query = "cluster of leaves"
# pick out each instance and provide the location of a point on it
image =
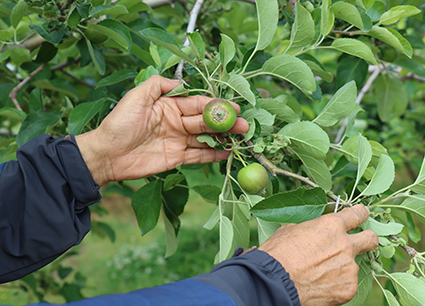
(295, 70)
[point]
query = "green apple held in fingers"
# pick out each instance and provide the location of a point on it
(253, 178)
(219, 115)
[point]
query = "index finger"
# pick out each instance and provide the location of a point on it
(194, 105)
(354, 216)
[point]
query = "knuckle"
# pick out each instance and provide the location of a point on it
(337, 222)
(351, 290)
(373, 238)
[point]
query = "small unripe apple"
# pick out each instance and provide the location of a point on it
(253, 178)
(219, 115)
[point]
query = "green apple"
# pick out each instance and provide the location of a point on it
(253, 178)
(219, 115)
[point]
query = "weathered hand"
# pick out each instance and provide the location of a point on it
(148, 133)
(319, 255)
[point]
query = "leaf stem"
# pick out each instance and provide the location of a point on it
(239, 157)
(249, 60)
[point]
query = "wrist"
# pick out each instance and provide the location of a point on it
(94, 157)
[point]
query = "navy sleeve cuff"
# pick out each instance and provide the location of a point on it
(254, 278)
(82, 184)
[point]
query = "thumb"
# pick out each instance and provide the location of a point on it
(156, 86)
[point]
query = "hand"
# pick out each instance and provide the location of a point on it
(148, 133)
(319, 255)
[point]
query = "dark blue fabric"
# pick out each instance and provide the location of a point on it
(43, 211)
(188, 292)
(253, 279)
(1, 167)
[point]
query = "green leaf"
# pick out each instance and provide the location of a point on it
(389, 298)
(213, 220)
(115, 30)
(365, 280)
(265, 119)
(197, 44)
(35, 124)
(351, 69)
(144, 55)
(391, 96)
(117, 77)
(395, 13)
(20, 55)
(83, 9)
(46, 53)
(180, 90)
(376, 10)
(393, 38)
(208, 192)
(103, 230)
(382, 229)
(303, 32)
(339, 106)
(412, 65)
(174, 201)
(164, 39)
(18, 12)
(226, 238)
(209, 140)
(268, 16)
(317, 169)
(172, 180)
(416, 205)
(351, 150)
(327, 18)
(227, 50)
(5, 35)
(351, 14)
(146, 204)
(145, 74)
(58, 85)
(105, 9)
(279, 107)
(316, 67)
(364, 156)
(74, 17)
(82, 114)
(4, 12)
(13, 113)
(97, 57)
(410, 290)
(265, 229)
(292, 207)
(419, 184)
(240, 224)
(309, 137)
(253, 130)
(53, 36)
(354, 47)
(382, 178)
(170, 237)
(5, 55)
(293, 70)
(239, 84)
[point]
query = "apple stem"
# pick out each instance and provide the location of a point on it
(239, 157)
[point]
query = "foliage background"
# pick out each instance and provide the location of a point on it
(64, 65)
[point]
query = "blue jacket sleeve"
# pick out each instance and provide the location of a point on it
(252, 279)
(43, 204)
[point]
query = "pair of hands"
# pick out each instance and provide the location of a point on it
(148, 133)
